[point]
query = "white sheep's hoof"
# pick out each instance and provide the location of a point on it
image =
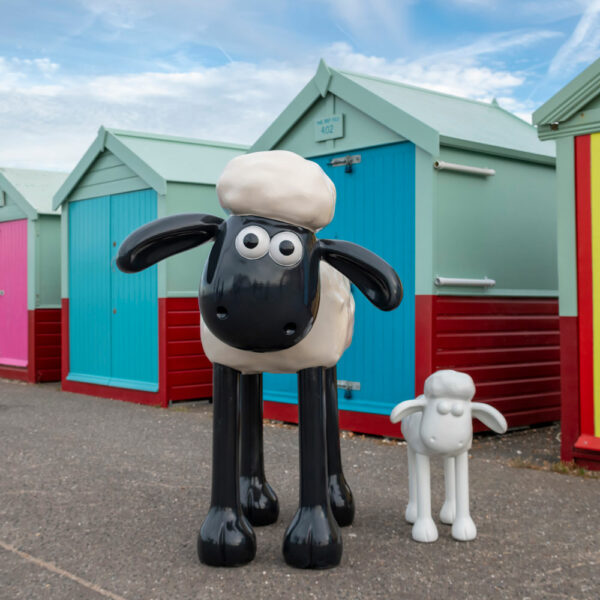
(448, 513)
(464, 529)
(424, 530)
(411, 512)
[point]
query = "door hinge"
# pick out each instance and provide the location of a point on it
(345, 161)
(348, 387)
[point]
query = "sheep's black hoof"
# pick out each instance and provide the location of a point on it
(342, 502)
(226, 539)
(259, 501)
(313, 540)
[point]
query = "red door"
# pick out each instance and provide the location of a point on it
(13, 293)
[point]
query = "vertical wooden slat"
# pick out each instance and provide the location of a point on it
(585, 306)
(595, 202)
(13, 293)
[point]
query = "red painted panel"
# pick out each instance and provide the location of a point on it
(569, 390)
(496, 323)
(500, 339)
(188, 371)
(185, 363)
(589, 460)
(424, 326)
(511, 348)
(349, 421)
(457, 305)
(495, 356)
(519, 371)
(190, 392)
(18, 373)
(64, 330)
(114, 393)
(47, 344)
(588, 442)
(583, 202)
(184, 348)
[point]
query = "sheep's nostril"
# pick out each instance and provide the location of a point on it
(289, 328)
(222, 313)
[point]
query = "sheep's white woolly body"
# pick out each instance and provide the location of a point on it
(323, 346)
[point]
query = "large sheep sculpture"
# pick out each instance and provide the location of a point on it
(439, 423)
(273, 298)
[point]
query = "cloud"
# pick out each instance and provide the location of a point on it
(583, 46)
(48, 117)
(546, 11)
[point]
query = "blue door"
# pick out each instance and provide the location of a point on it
(113, 317)
(374, 208)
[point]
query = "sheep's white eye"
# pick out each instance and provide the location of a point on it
(458, 409)
(252, 242)
(443, 407)
(286, 249)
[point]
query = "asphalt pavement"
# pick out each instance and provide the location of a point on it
(104, 499)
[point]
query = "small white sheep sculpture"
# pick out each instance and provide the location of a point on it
(439, 422)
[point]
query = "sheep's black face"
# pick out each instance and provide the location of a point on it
(260, 288)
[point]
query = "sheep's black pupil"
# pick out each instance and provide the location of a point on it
(286, 247)
(250, 240)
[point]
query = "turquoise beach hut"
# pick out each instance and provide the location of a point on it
(135, 337)
(458, 196)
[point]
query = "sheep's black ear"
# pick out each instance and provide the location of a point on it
(370, 274)
(163, 238)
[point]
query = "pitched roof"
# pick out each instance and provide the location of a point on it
(567, 102)
(31, 189)
(157, 159)
(423, 116)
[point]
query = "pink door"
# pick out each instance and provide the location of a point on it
(13, 293)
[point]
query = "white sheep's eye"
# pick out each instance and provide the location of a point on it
(443, 407)
(252, 242)
(458, 409)
(286, 249)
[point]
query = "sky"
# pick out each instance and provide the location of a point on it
(225, 69)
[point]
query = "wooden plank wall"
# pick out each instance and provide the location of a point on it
(189, 372)
(47, 343)
(511, 348)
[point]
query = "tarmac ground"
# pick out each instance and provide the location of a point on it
(104, 499)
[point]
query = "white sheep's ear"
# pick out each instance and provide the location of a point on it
(408, 407)
(489, 416)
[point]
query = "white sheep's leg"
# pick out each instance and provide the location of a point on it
(424, 529)
(411, 508)
(463, 528)
(448, 512)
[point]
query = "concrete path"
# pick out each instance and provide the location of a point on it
(104, 499)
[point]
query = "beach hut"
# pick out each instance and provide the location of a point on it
(29, 275)
(135, 337)
(572, 119)
(458, 196)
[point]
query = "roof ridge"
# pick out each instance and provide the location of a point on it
(2, 168)
(174, 138)
(508, 112)
(413, 87)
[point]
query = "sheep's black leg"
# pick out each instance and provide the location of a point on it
(226, 538)
(258, 499)
(313, 539)
(340, 495)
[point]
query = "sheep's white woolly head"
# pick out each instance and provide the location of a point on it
(449, 384)
(278, 185)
